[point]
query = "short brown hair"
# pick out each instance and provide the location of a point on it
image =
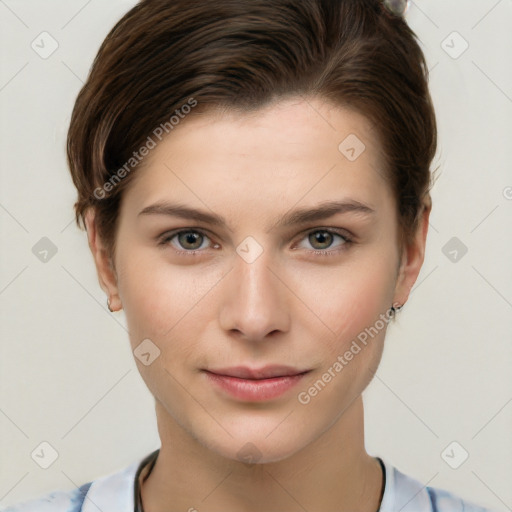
(244, 54)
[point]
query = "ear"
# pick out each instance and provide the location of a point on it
(413, 256)
(106, 273)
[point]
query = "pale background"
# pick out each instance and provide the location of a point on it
(67, 375)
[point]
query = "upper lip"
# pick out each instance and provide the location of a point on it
(266, 372)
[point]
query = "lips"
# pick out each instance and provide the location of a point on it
(266, 372)
(255, 384)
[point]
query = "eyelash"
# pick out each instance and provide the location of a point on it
(165, 239)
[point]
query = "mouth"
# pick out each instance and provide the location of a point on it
(255, 384)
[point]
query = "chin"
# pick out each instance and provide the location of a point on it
(266, 445)
(260, 451)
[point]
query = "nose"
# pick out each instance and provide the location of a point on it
(255, 300)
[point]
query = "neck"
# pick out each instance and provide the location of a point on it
(332, 473)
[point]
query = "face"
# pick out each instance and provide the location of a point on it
(255, 282)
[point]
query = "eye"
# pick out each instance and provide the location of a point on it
(322, 239)
(191, 240)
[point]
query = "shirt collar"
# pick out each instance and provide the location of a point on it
(119, 491)
(116, 491)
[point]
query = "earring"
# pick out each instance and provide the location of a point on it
(394, 310)
(108, 306)
(397, 7)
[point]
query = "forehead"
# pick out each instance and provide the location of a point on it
(299, 148)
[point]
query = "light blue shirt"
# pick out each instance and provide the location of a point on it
(116, 493)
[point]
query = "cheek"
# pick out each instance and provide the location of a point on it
(347, 299)
(163, 301)
(354, 306)
(161, 304)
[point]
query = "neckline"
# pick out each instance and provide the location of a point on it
(384, 477)
(142, 473)
(147, 464)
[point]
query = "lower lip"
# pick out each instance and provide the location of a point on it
(255, 390)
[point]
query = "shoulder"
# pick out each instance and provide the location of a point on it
(405, 493)
(57, 501)
(445, 501)
(114, 491)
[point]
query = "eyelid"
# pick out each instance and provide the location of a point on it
(348, 239)
(338, 231)
(165, 238)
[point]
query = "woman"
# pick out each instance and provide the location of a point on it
(254, 179)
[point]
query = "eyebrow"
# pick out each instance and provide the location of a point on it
(295, 217)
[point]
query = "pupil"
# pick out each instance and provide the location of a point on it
(321, 236)
(190, 238)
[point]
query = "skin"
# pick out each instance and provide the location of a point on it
(289, 306)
